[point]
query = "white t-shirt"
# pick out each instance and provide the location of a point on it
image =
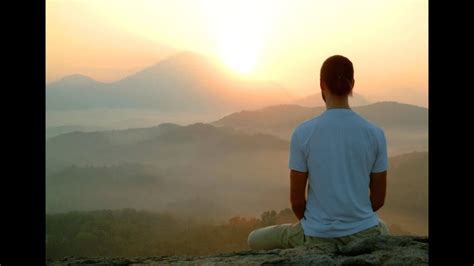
(339, 149)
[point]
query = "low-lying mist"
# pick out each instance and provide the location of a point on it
(199, 171)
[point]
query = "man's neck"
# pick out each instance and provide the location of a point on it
(335, 102)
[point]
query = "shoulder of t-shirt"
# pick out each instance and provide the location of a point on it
(307, 124)
(304, 130)
(377, 129)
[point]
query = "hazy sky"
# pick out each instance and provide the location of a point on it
(283, 41)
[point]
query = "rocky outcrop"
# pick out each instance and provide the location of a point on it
(378, 250)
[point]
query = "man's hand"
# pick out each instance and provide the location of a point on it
(298, 192)
(378, 187)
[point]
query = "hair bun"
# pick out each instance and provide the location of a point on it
(338, 73)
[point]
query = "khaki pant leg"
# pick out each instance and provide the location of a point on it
(372, 231)
(380, 229)
(329, 243)
(276, 236)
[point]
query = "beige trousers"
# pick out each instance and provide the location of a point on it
(292, 235)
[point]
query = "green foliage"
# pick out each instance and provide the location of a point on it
(129, 232)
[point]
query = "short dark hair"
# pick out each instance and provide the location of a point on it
(338, 74)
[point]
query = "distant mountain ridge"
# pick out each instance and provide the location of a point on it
(384, 114)
(405, 125)
(184, 82)
(144, 144)
(58, 130)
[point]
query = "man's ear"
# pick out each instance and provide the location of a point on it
(352, 86)
(322, 85)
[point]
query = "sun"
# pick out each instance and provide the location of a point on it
(241, 62)
(239, 52)
(239, 29)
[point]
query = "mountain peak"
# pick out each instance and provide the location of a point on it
(74, 80)
(77, 78)
(186, 63)
(186, 55)
(185, 58)
(186, 81)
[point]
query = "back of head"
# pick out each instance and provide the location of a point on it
(338, 74)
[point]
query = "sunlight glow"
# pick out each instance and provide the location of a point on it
(283, 41)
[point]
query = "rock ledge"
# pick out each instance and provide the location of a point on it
(378, 250)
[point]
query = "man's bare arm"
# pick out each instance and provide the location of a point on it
(298, 192)
(378, 187)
